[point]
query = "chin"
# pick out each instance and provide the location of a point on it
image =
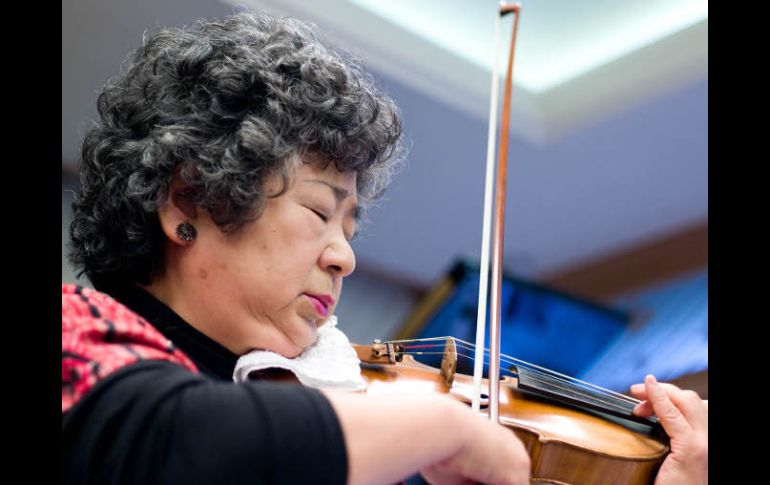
(293, 349)
(292, 352)
(295, 337)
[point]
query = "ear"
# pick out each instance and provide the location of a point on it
(176, 209)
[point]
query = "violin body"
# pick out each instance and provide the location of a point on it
(566, 445)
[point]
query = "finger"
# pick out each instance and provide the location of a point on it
(670, 417)
(692, 407)
(636, 388)
(688, 402)
(644, 409)
(640, 392)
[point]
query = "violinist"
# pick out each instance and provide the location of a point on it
(220, 189)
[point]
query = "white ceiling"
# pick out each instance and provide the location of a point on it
(608, 149)
(576, 62)
(564, 39)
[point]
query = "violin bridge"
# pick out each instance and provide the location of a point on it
(449, 362)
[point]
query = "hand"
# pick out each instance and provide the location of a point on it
(684, 417)
(491, 454)
(389, 438)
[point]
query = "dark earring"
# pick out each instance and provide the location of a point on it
(186, 232)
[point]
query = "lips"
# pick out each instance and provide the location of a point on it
(321, 303)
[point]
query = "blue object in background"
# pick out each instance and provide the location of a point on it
(538, 325)
(670, 340)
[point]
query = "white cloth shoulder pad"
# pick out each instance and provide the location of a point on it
(330, 362)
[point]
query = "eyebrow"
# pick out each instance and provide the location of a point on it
(340, 194)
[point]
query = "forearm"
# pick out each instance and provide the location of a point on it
(155, 422)
(390, 438)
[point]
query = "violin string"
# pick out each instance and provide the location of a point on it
(578, 391)
(469, 357)
(535, 368)
(513, 374)
(579, 384)
(566, 379)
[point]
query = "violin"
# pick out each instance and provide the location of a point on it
(574, 432)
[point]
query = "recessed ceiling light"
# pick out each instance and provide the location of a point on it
(558, 40)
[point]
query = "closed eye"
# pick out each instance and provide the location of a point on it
(320, 215)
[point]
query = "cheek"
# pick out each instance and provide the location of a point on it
(272, 265)
(272, 279)
(294, 249)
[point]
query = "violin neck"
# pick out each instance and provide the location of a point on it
(552, 389)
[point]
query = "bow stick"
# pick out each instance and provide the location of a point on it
(499, 219)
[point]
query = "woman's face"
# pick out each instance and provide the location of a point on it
(272, 284)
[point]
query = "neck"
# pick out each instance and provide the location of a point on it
(170, 289)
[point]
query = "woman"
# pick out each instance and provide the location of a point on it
(219, 192)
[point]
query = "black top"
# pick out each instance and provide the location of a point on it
(211, 358)
(156, 422)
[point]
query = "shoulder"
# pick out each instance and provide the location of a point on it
(99, 336)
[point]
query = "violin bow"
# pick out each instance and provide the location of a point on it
(499, 221)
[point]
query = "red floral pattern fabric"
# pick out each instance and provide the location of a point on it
(100, 336)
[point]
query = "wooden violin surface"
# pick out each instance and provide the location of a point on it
(565, 445)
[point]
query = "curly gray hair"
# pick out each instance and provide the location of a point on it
(223, 104)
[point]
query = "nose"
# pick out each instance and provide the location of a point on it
(338, 257)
